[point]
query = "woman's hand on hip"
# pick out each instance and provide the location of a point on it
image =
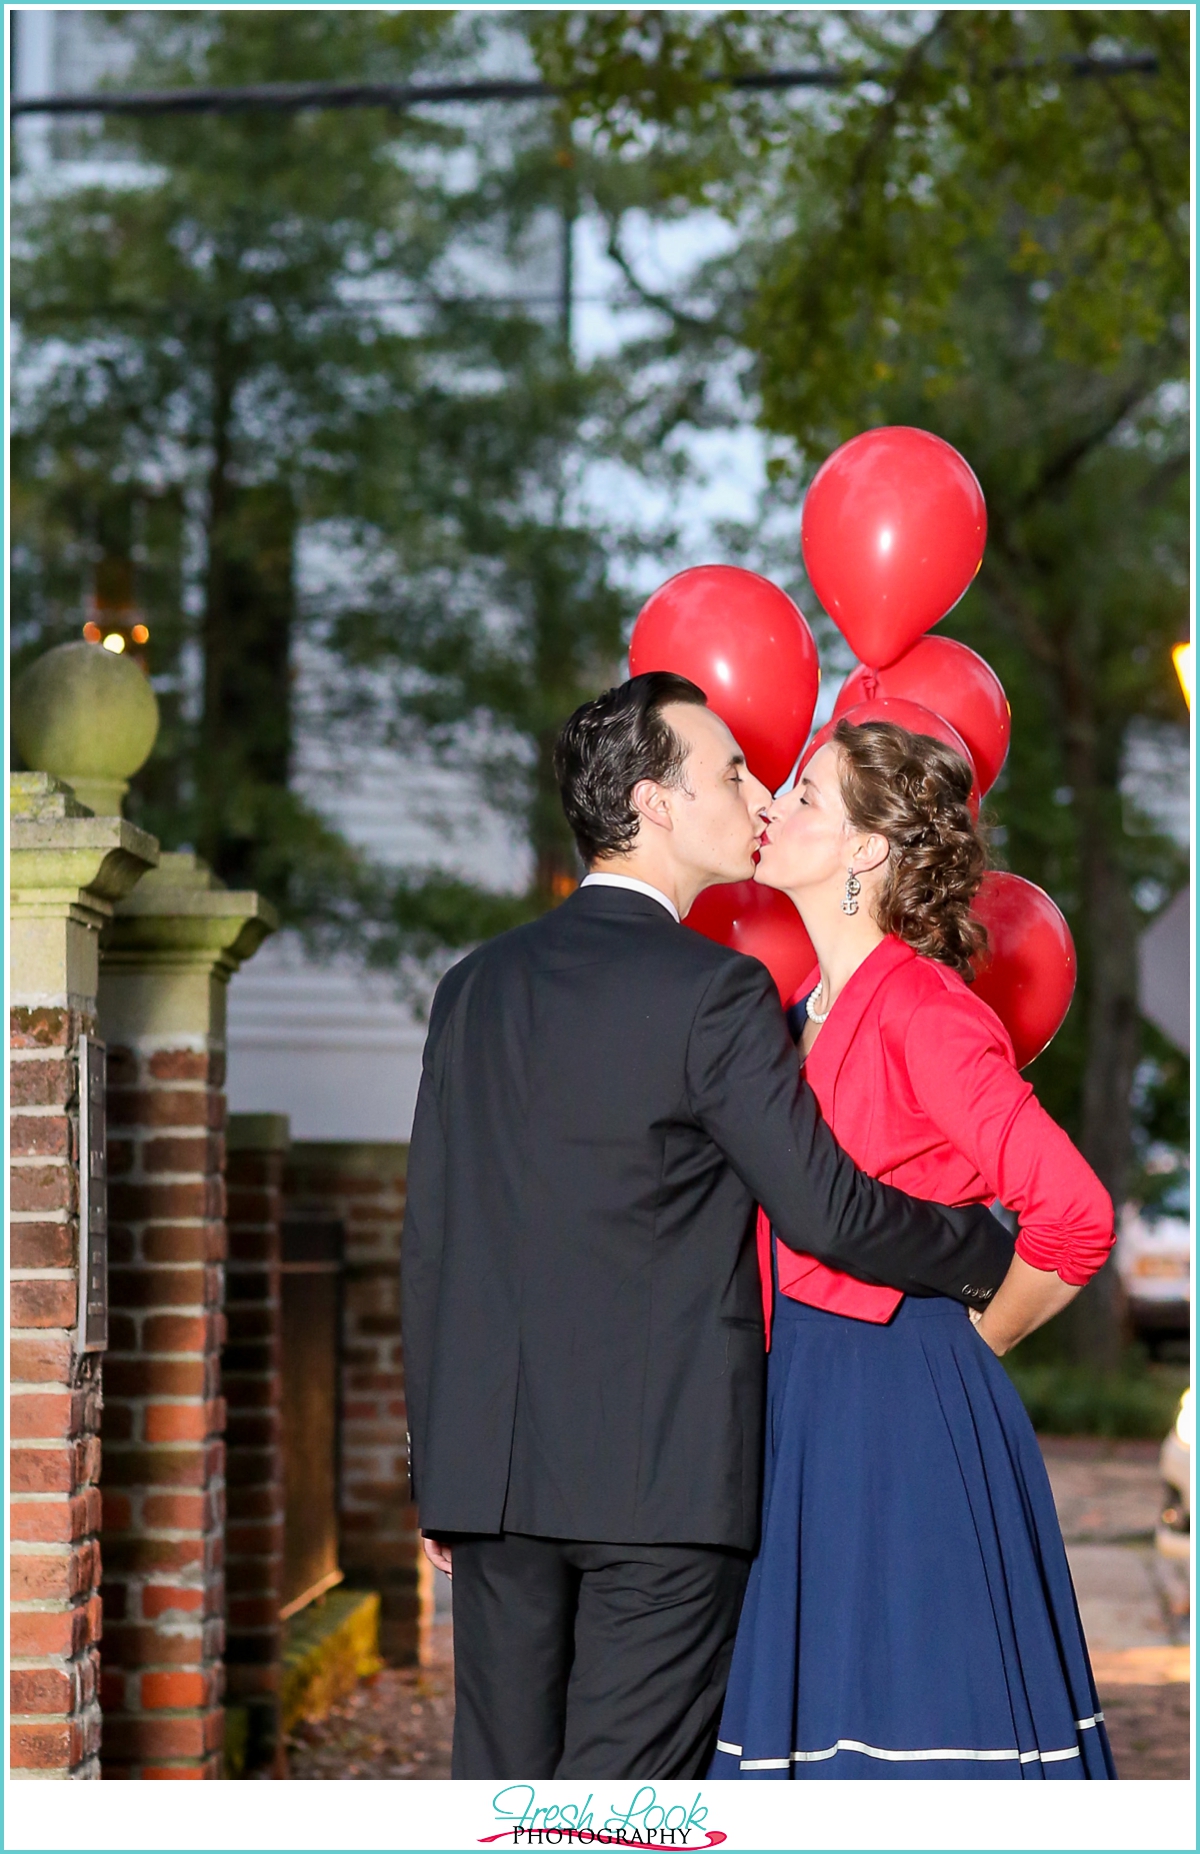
(1026, 1298)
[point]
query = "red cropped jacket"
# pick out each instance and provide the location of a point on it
(915, 1076)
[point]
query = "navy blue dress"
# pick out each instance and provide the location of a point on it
(910, 1613)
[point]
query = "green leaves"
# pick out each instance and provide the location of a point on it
(978, 139)
(629, 67)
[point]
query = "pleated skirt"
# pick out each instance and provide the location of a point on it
(910, 1613)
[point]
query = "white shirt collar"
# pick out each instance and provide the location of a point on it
(639, 888)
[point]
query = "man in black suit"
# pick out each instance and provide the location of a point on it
(605, 1097)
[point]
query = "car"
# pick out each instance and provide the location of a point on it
(1154, 1262)
(1173, 1534)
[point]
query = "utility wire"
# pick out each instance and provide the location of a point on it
(545, 299)
(225, 99)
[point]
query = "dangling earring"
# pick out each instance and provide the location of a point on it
(853, 886)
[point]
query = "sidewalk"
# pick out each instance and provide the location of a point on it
(1133, 1604)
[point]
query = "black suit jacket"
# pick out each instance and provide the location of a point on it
(605, 1096)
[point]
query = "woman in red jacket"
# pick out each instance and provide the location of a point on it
(910, 1613)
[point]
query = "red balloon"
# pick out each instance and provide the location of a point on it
(1027, 973)
(893, 532)
(909, 715)
(759, 921)
(748, 647)
(955, 683)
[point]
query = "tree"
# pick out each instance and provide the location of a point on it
(195, 374)
(505, 616)
(271, 333)
(987, 238)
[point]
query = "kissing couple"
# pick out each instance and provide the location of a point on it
(726, 1494)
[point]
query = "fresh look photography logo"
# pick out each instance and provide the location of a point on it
(642, 1823)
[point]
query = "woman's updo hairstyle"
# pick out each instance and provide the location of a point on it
(913, 790)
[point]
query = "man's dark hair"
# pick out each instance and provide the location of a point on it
(610, 744)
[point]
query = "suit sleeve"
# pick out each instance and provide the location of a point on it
(420, 1261)
(961, 1067)
(747, 1091)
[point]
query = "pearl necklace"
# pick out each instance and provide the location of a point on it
(818, 1017)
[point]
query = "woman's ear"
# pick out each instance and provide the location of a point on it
(870, 853)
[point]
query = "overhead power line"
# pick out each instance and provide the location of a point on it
(225, 99)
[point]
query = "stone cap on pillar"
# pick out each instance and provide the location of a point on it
(258, 1133)
(182, 918)
(65, 861)
(67, 871)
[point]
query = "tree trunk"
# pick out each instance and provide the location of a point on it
(1092, 1325)
(245, 730)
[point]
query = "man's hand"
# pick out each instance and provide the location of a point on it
(438, 1555)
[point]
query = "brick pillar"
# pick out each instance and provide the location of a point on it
(253, 1463)
(363, 1186)
(165, 968)
(68, 868)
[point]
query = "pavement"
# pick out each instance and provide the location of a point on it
(1134, 1606)
(1134, 1603)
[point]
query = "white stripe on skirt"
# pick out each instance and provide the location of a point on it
(909, 1757)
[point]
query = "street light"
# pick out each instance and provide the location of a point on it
(118, 635)
(1181, 657)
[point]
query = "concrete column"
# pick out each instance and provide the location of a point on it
(251, 1380)
(166, 964)
(68, 869)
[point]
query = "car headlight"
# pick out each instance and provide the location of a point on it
(1185, 1422)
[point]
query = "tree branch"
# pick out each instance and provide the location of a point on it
(1119, 102)
(1039, 646)
(885, 115)
(651, 298)
(1162, 478)
(1067, 460)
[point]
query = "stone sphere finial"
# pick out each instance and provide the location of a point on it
(87, 716)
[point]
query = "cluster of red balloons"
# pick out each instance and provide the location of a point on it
(893, 533)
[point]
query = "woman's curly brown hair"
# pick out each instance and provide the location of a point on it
(913, 790)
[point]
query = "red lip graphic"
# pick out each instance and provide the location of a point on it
(597, 1837)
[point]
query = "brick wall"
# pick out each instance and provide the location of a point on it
(254, 1467)
(54, 1416)
(363, 1186)
(164, 1469)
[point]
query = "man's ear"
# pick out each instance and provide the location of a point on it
(649, 799)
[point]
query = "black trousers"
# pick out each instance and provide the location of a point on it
(582, 1660)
